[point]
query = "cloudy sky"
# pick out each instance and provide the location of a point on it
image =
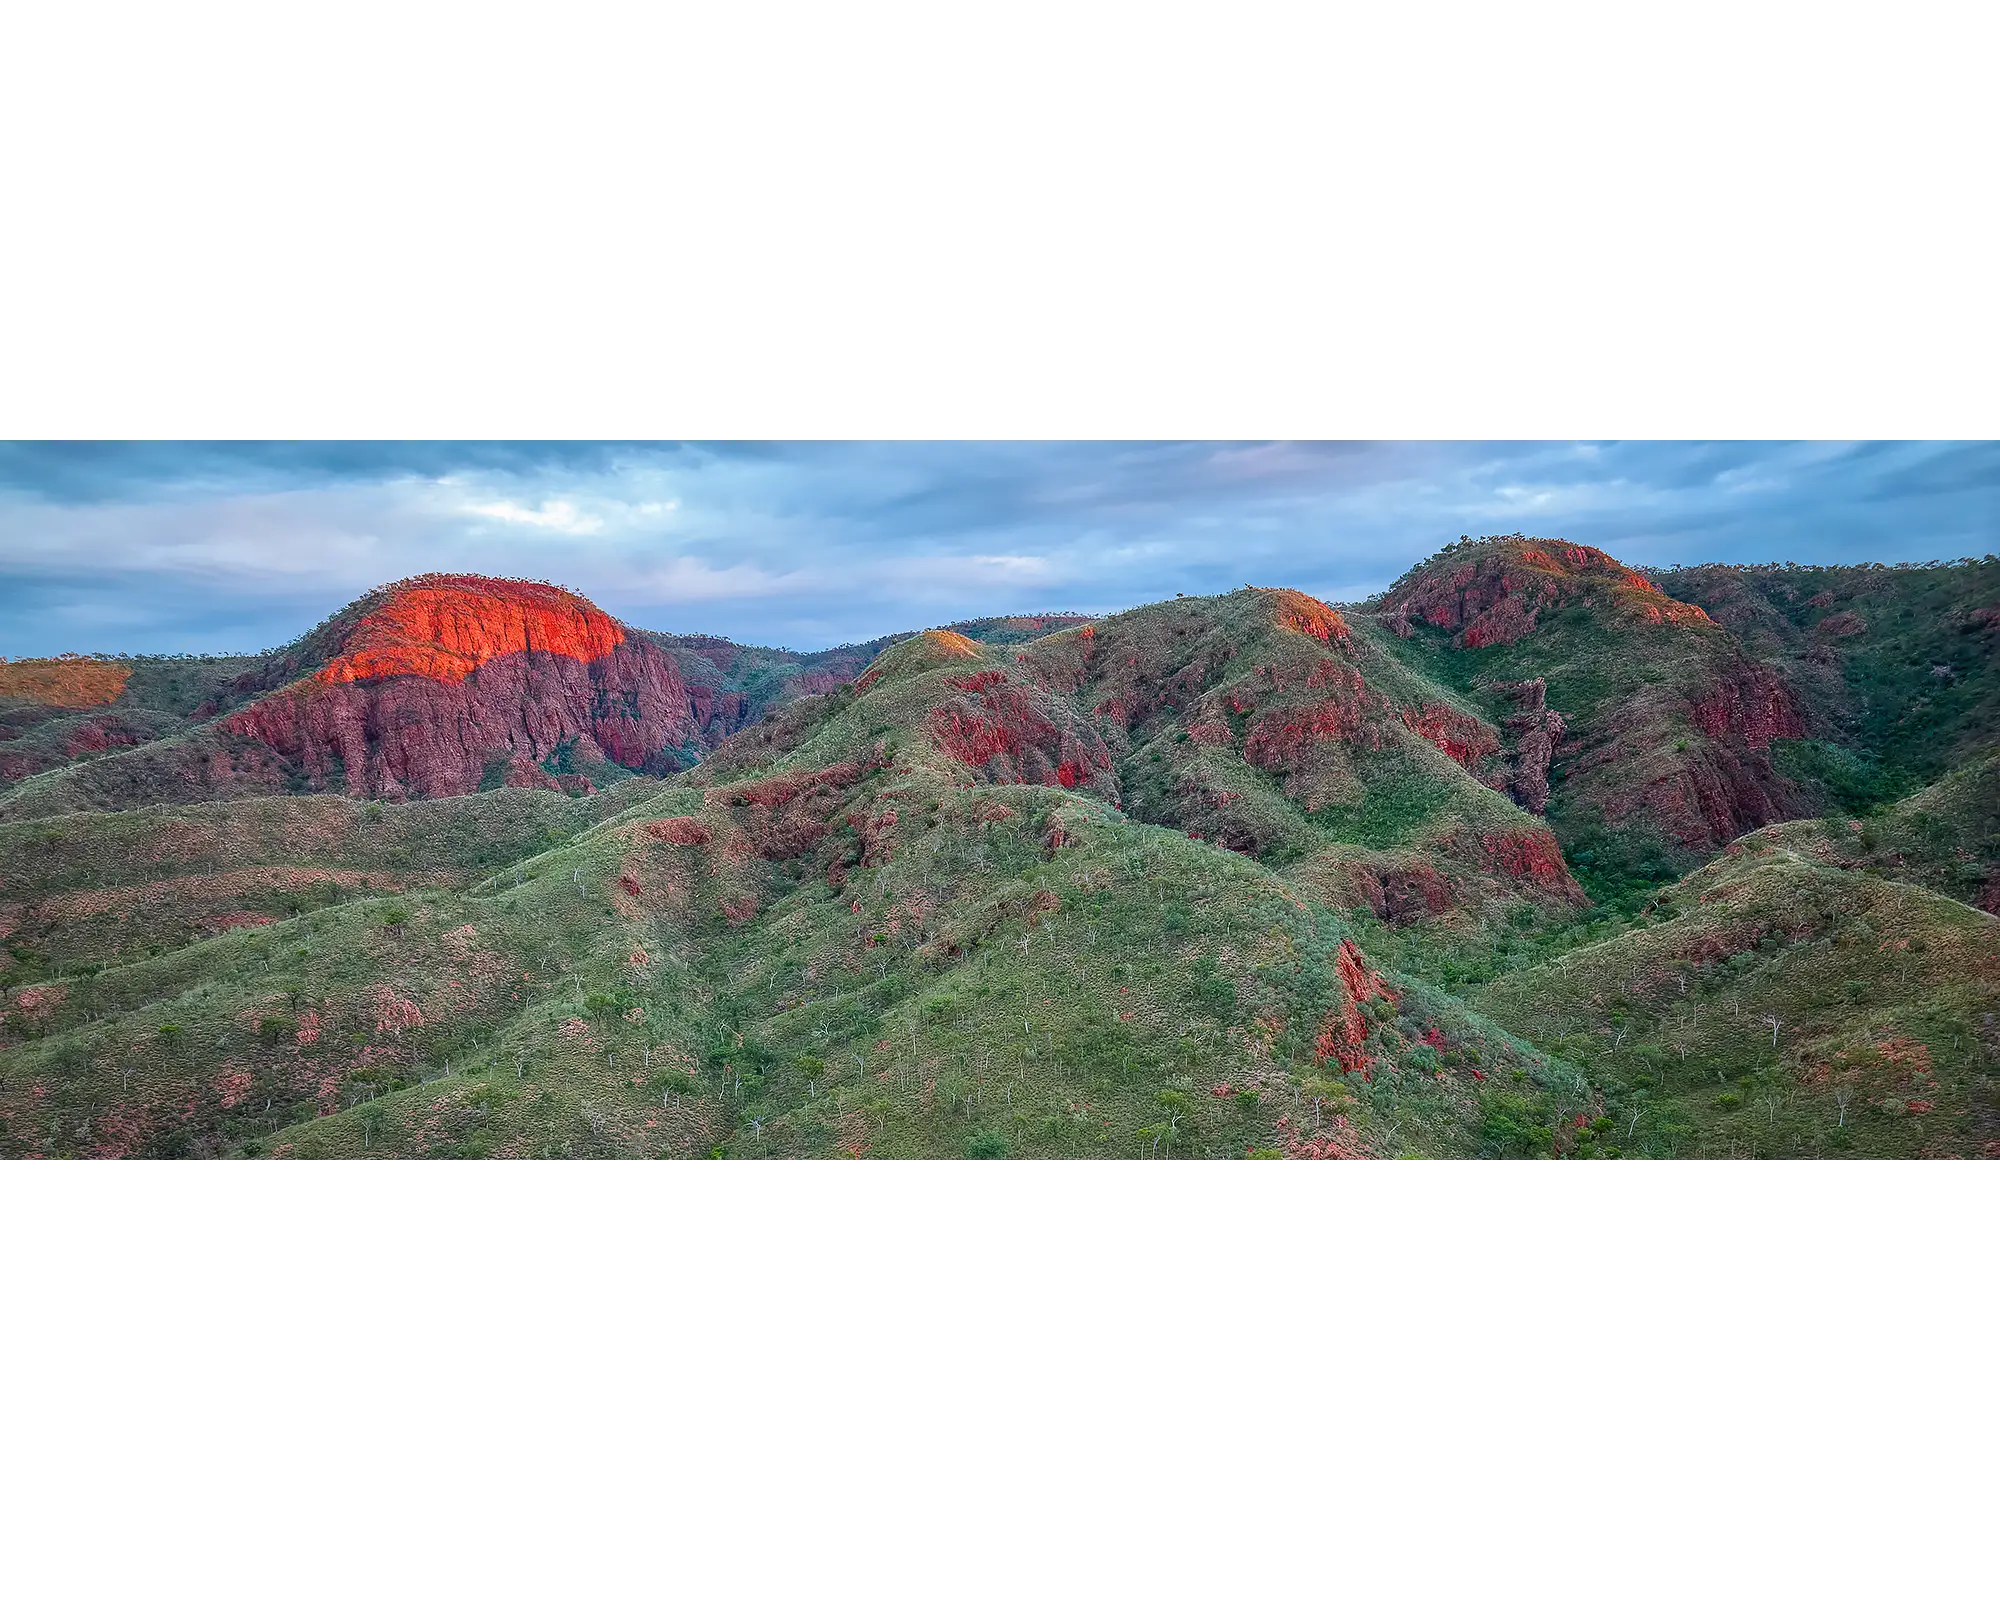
(241, 547)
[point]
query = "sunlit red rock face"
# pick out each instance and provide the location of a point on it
(449, 675)
(72, 681)
(448, 629)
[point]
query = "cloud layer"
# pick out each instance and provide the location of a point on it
(241, 546)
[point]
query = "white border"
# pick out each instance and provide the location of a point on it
(1045, 220)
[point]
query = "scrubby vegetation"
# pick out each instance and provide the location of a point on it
(1244, 876)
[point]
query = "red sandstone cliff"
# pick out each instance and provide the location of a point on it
(447, 676)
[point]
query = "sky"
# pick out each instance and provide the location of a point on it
(240, 547)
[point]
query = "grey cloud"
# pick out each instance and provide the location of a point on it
(108, 546)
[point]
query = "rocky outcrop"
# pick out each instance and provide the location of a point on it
(447, 629)
(1495, 591)
(1467, 739)
(446, 679)
(1698, 789)
(419, 736)
(1749, 708)
(1536, 731)
(1017, 733)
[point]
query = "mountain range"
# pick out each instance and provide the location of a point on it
(1536, 854)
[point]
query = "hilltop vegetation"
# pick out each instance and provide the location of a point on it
(1238, 876)
(1898, 668)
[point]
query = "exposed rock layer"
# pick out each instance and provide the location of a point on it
(420, 735)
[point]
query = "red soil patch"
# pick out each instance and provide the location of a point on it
(679, 830)
(238, 919)
(108, 732)
(788, 786)
(393, 1014)
(878, 836)
(1337, 1142)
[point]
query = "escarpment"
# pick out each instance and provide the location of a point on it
(449, 680)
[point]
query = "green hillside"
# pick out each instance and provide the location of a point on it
(1508, 864)
(852, 950)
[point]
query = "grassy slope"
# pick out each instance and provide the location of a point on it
(111, 886)
(1883, 995)
(159, 700)
(960, 969)
(1945, 837)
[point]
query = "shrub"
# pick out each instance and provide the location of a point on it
(1513, 1125)
(274, 1030)
(1214, 993)
(1730, 1101)
(986, 1145)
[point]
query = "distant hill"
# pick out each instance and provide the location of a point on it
(434, 686)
